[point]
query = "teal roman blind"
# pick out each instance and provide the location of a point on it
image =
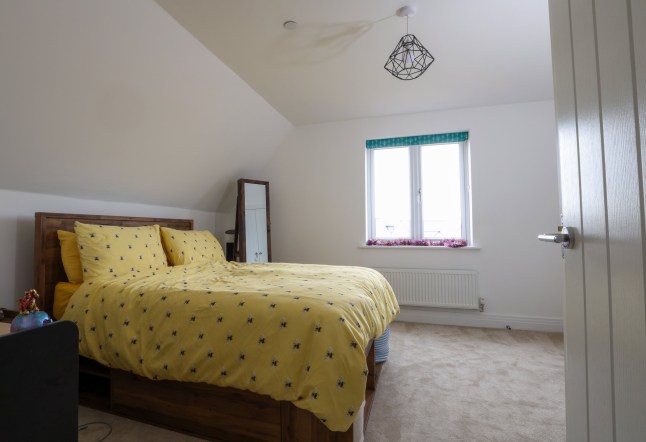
(418, 140)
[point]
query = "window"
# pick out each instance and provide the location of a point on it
(418, 187)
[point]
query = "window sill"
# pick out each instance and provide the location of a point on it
(420, 247)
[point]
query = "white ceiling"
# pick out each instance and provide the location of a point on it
(330, 68)
(116, 101)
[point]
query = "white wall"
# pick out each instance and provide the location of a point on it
(17, 231)
(317, 182)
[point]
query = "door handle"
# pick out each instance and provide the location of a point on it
(564, 237)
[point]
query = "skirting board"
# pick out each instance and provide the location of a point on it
(478, 319)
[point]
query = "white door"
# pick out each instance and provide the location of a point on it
(261, 234)
(256, 235)
(251, 235)
(599, 56)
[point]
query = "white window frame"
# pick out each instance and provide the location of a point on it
(417, 227)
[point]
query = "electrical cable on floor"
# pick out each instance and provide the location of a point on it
(85, 426)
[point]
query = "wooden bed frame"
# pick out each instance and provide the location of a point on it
(207, 411)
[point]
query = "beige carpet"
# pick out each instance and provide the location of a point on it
(441, 383)
(470, 384)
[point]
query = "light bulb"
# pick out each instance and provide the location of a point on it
(408, 58)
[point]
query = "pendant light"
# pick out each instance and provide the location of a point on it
(410, 59)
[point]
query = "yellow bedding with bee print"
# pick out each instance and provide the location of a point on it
(295, 332)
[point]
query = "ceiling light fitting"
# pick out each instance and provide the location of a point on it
(410, 59)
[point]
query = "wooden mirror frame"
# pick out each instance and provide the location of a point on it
(240, 236)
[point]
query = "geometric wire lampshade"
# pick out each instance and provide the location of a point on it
(409, 60)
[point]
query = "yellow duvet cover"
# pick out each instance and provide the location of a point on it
(295, 332)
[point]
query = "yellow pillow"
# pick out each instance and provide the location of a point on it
(191, 246)
(63, 291)
(119, 251)
(70, 256)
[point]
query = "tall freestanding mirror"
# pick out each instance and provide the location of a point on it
(253, 228)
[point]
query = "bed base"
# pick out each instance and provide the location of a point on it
(210, 412)
(214, 413)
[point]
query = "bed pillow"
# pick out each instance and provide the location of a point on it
(70, 256)
(63, 291)
(191, 246)
(119, 251)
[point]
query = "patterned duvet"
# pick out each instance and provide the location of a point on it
(295, 332)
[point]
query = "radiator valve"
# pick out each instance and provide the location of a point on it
(481, 304)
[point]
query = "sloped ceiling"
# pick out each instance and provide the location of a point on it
(331, 67)
(113, 100)
(128, 101)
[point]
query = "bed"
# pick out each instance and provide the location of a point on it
(210, 411)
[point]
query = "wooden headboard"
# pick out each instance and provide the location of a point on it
(47, 250)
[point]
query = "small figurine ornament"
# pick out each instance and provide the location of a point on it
(30, 316)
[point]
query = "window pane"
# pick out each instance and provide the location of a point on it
(441, 204)
(391, 175)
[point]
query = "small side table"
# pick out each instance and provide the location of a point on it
(5, 321)
(7, 315)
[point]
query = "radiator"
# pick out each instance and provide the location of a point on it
(435, 288)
